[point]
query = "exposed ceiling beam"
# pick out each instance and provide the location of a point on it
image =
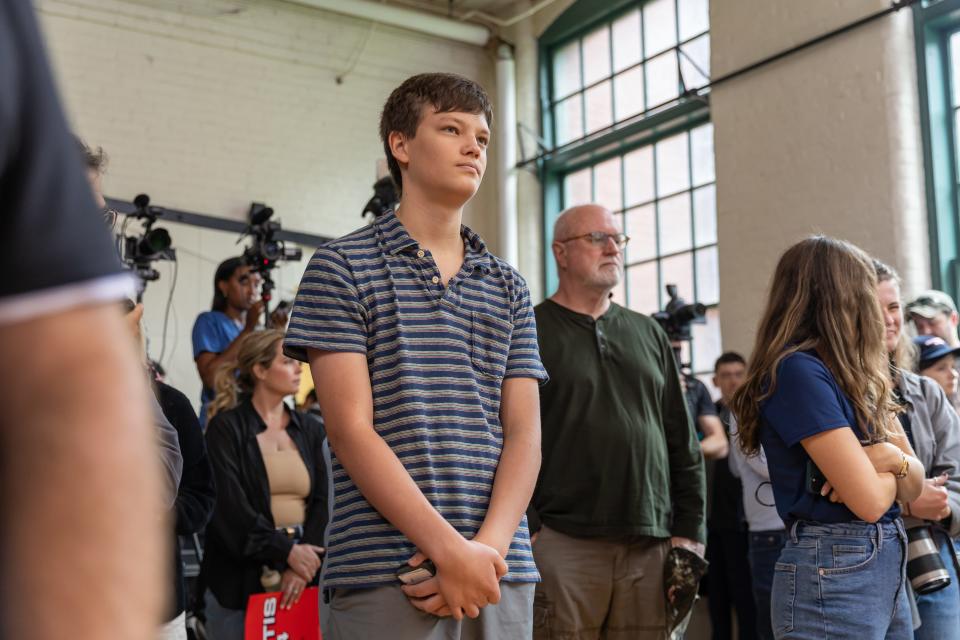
(410, 19)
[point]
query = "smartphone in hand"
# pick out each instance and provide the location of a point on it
(815, 478)
(415, 575)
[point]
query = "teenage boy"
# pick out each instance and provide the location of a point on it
(424, 355)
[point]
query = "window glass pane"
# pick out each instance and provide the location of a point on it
(659, 26)
(705, 215)
(626, 40)
(642, 287)
(599, 107)
(620, 292)
(566, 69)
(673, 168)
(955, 67)
(694, 18)
(628, 93)
(606, 177)
(675, 232)
(638, 173)
(707, 345)
(695, 62)
(663, 80)
(678, 270)
(569, 114)
(701, 146)
(596, 55)
(576, 188)
(641, 227)
(708, 276)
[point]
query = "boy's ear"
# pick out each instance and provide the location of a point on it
(398, 147)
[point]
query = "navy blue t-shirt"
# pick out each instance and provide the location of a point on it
(806, 401)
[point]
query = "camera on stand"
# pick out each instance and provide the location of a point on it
(677, 319)
(266, 250)
(139, 252)
(384, 198)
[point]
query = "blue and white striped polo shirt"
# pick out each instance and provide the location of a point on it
(437, 358)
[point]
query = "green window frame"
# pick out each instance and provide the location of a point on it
(598, 160)
(937, 31)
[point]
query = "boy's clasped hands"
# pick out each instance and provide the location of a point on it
(467, 579)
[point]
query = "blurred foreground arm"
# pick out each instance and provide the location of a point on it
(81, 488)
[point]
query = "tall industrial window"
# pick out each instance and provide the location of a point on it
(938, 55)
(627, 116)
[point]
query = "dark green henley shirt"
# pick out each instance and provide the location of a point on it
(620, 453)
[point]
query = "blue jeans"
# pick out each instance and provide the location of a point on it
(763, 553)
(940, 610)
(842, 581)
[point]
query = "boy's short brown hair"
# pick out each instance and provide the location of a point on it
(443, 91)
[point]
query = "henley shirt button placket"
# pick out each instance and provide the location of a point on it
(420, 253)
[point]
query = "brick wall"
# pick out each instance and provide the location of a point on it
(208, 105)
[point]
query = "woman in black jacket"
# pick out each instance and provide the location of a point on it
(271, 486)
(195, 497)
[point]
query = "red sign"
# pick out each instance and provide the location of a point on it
(267, 621)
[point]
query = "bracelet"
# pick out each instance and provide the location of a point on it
(904, 467)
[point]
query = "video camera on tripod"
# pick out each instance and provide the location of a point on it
(678, 316)
(677, 319)
(138, 252)
(266, 251)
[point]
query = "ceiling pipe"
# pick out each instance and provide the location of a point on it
(410, 19)
(508, 22)
(481, 15)
(506, 128)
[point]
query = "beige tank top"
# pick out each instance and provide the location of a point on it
(289, 486)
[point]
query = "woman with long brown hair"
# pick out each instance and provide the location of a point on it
(818, 398)
(271, 507)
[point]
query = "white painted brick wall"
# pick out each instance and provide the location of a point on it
(824, 141)
(208, 111)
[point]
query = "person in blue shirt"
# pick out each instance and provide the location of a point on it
(818, 398)
(235, 312)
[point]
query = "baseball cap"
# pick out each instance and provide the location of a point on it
(932, 349)
(929, 303)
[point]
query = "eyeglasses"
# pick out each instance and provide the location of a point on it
(600, 239)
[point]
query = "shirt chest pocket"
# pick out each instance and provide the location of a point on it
(490, 344)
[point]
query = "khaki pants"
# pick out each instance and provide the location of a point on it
(385, 612)
(599, 589)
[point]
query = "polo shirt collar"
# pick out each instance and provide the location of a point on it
(395, 239)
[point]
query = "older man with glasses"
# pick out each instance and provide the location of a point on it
(622, 478)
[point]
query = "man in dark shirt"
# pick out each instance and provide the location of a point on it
(728, 578)
(80, 485)
(622, 477)
(713, 439)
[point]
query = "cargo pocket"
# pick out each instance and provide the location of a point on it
(541, 616)
(490, 344)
